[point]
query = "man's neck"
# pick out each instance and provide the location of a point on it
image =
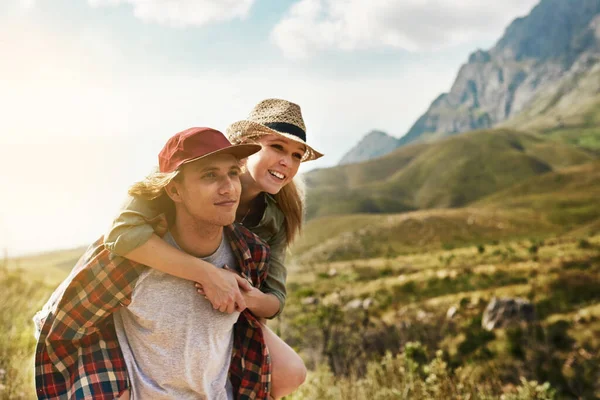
(197, 239)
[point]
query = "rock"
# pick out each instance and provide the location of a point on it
(354, 304)
(332, 272)
(333, 299)
(423, 315)
(501, 312)
(310, 301)
(367, 303)
(452, 311)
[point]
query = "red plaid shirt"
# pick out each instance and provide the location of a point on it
(78, 355)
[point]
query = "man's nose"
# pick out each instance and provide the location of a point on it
(227, 185)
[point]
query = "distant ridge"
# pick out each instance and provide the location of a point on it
(374, 144)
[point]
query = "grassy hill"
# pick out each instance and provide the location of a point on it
(546, 204)
(361, 236)
(448, 173)
(50, 267)
(567, 197)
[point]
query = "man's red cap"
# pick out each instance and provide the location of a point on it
(196, 143)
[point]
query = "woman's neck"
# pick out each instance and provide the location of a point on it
(250, 192)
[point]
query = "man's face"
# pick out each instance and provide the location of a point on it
(209, 190)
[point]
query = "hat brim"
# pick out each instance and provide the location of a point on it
(239, 151)
(240, 129)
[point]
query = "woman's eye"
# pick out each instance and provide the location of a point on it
(234, 173)
(298, 156)
(277, 146)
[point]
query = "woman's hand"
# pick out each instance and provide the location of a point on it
(262, 305)
(222, 289)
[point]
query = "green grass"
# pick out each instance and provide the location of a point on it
(452, 172)
(23, 296)
(411, 295)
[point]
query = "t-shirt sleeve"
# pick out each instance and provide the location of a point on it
(132, 227)
(277, 273)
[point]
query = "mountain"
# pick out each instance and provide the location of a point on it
(374, 144)
(558, 39)
(452, 172)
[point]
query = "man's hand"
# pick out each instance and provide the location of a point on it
(222, 289)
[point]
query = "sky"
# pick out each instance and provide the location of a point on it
(90, 90)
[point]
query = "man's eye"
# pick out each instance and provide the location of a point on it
(210, 175)
(234, 173)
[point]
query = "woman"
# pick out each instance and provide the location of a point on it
(271, 206)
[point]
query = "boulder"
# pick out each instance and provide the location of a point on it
(367, 303)
(310, 301)
(501, 312)
(354, 304)
(452, 311)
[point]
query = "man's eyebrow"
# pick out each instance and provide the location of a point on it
(208, 168)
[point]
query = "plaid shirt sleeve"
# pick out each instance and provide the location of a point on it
(250, 370)
(77, 354)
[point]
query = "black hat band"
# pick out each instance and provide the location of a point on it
(284, 127)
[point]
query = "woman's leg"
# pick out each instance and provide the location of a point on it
(124, 395)
(288, 368)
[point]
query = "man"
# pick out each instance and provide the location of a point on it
(113, 319)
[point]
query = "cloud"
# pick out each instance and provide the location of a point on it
(311, 26)
(183, 13)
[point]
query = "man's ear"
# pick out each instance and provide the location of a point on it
(172, 190)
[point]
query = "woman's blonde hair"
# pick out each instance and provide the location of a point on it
(153, 186)
(290, 200)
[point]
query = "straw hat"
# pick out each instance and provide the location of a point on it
(273, 116)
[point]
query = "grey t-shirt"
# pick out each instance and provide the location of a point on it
(176, 346)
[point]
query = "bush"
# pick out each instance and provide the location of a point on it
(22, 298)
(410, 375)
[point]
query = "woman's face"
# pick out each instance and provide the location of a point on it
(276, 164)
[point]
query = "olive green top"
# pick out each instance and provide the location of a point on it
(134, 226)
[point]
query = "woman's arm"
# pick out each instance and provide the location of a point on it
(221, 288)
(274, 284)
(132, 236)
(268, 302)
(262, 305)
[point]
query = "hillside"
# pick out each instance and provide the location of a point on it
(449, 173)
(567, 197)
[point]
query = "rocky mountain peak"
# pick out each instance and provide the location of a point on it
(374, 144)
(535, 52)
